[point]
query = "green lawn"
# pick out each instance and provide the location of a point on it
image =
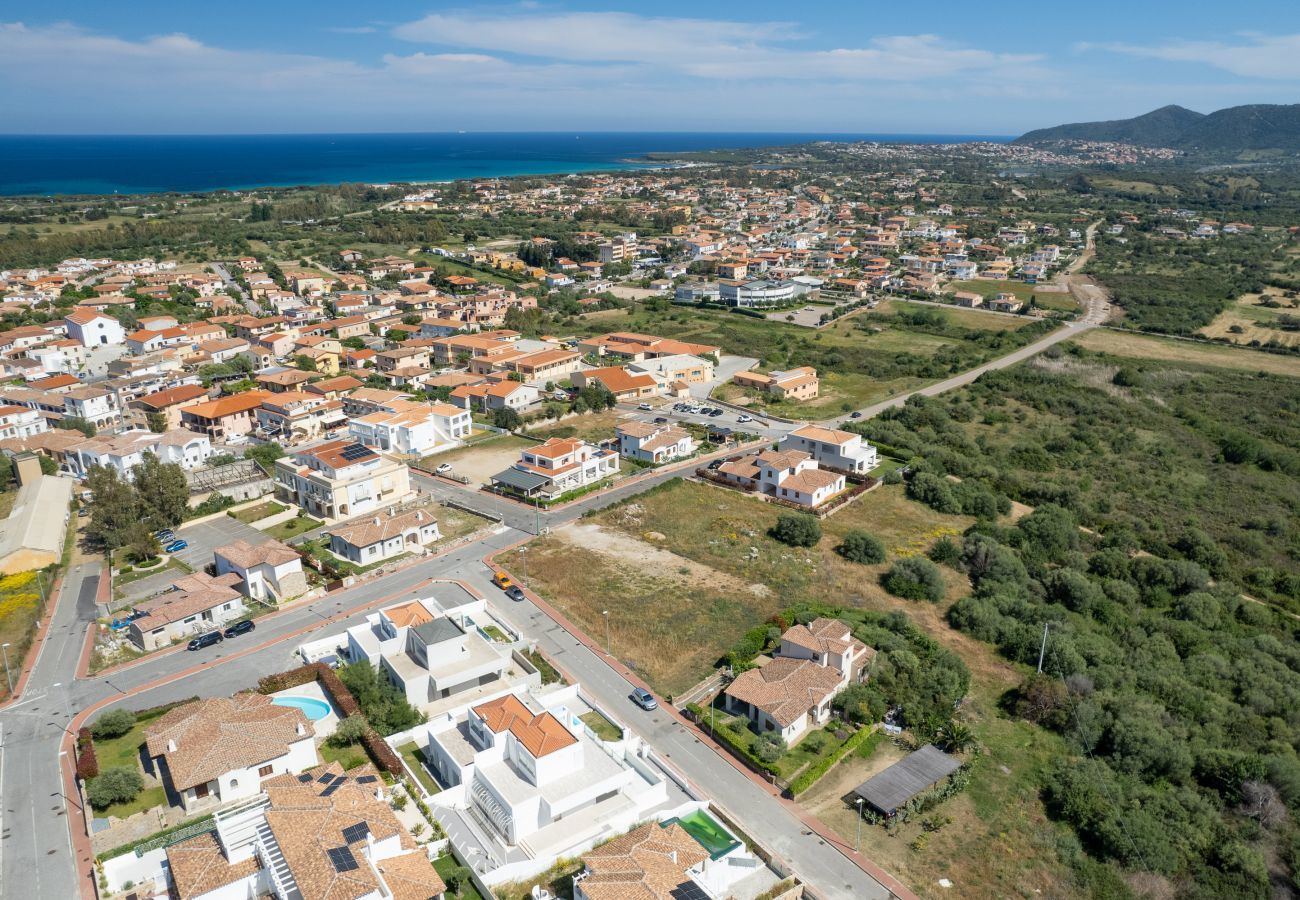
(293, 527)
(348, 757)
(125, 750)
(887, 464)
(172, 563)
(605, 729)
(260, 511)
(496, 634)
(414, 757)
(444, 865)
(146, 799)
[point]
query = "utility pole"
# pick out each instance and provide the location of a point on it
(857, 845)
(605, 613)
(8, 677)
(1043, 649)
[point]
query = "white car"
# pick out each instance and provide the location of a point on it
(644, 406)
(743, 418)
(444, 469)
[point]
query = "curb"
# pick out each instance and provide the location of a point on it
(38, 639)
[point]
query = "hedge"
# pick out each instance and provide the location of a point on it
(319, 672)
(87, 760)
(383, 755)
(811, 775)
(724, 736)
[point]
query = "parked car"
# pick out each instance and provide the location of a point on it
(83, 512)
(515, 593)
(176, 546)
(644, 406)
(644, 699)
(444, 469)
(661, 420)
(502, 580)
(744, 418)
(163, 534)
(856, 414)
(715, 413)
(716, 464)
(239, 628)
(205, 640)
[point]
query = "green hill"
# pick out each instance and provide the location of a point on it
(1233, 130)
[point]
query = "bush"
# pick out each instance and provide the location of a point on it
(863, 548)
(811, 775)
(946, 552)
(113, 724)
(914, 578)
(87, 760)
(351, 730)
(117, 785)
(768, 747)
(382, 754)
(796, 529)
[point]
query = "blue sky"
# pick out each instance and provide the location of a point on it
(148, 66)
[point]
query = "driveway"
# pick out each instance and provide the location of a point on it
(723, 372)
(204, 537)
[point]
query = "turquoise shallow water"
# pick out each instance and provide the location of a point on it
(106, 164)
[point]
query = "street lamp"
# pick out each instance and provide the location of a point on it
(523, 555)
(605, 613)
(857, 846)
(8, 677)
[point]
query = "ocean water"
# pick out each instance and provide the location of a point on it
(106, 164)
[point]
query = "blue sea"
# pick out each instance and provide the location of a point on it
(107, 164)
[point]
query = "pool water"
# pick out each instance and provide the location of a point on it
(710, 835)
(313, 709)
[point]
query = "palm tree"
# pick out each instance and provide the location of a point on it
(957, 738)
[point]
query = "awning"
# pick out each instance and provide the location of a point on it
(518, 479)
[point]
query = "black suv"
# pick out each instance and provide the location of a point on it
(206, 640)
(239, 628)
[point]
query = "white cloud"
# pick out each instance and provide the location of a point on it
(1253, 56)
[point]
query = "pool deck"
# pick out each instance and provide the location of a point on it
(323, 727)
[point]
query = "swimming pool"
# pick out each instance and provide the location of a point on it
(716, 840)
(313, 709)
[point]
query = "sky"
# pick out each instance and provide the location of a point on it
(1001, 68)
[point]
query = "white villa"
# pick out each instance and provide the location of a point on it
(384, 536)
(832, 448)
(556, 467)
(789, 475)
(412, 429)
(652, 443)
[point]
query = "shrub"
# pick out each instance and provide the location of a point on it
(117, 785)
(350, 731)
(796, 529)
(87, 760)
(811, 775)
(382, 754)
(113, 724)
(946, 552)
(863, 548)
(768, 747)
(914, 578)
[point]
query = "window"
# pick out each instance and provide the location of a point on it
(264, 771)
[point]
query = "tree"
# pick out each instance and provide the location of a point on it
(507, 418)
(861, 547)
(305, 363)
(957, 738)
(265, 455)
(382, 704)
(114, 508)
(141, 543)
(116, 785)
(397, 335)
(163, 492)
(796, 529)
(350, 731)
(113, 724)
(156, 421)
(914, 578)
(861, 703)
(768, 747)
(72, 423)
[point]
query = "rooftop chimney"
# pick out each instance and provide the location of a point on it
(376, 520)
(171, 746)
(419, 515)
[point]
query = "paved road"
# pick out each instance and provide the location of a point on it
(35, 847)
(230, 282)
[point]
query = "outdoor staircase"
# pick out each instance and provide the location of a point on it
(268, 850)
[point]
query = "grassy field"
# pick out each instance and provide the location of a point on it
(1024, 292)
(590, 427)
(415, 761)
(124, 752)
(604, 728)
(454, 523)
(293, 527)
(1140, 346)
(20, 609)
(676, 570)
(349, 757)
(1256, 323)
(255, 513)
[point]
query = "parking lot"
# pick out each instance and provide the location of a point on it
(204, 537)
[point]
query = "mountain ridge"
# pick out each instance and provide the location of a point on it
(1236, 129)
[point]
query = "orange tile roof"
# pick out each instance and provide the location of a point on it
(539, 733)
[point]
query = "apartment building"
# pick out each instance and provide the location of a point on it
(839, 450)
(800, 383)
(341, 479)
(556, 467)
(224, 417)
(412, 429)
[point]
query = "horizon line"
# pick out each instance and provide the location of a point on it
(467, 132)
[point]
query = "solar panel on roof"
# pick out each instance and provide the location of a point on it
(688, 890)
(357, 832)
(325, 778)
(342, 859)
(304, 777)
(332, 788)
(354, 451)
(366, 779)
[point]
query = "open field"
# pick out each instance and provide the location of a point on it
(20, 609)
(482, 459)
(673, 568)
(590, 427)
(1140, 346)
(1024, 292)
(1256, 323)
